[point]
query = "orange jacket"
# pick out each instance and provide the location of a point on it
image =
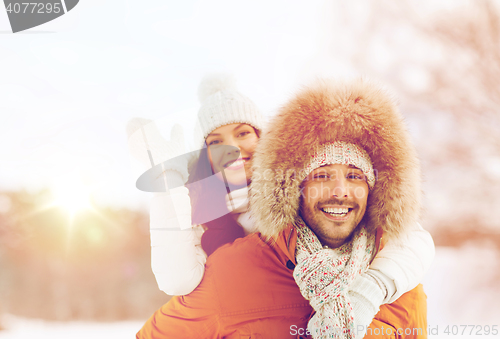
(248, 291)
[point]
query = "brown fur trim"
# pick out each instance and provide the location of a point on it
(360, 112)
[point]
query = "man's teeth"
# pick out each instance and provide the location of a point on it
(337, 211)
(236, 163)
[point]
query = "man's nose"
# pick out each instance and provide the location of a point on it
(340, 188)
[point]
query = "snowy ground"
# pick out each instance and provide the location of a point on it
(462, 289)
(18, 328)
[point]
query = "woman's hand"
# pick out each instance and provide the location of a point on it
(147, 145)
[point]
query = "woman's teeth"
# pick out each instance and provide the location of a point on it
(236, 163)
(341, 212)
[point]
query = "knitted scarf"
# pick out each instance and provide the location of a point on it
(324, 276)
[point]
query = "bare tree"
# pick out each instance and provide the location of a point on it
(468, 87)
(444, 64)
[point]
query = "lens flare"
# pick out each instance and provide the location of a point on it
(72, 195)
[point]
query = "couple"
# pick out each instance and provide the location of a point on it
(333, 172)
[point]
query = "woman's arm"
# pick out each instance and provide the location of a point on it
(177, 259)
(395, 270)
(401, 267)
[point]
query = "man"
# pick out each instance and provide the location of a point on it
(335, 170)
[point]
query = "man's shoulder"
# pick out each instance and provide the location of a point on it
(251, 276)
(245, 249)
(248, 257)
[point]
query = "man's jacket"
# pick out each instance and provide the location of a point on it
(248, 291)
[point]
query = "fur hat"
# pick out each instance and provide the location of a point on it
(359, 112)
(222, 104)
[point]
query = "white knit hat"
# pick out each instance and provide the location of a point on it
(222, 104)
(343, 153)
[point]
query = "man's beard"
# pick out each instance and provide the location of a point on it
(331, 231)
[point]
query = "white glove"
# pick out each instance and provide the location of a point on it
(249, 225)
(237, 200)
(366, 295)
(147, 145)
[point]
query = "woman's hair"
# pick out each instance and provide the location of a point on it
(208, 198)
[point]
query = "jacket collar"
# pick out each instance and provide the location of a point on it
(287, 241)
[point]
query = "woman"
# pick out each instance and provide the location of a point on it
(229, 156)
(227, 118)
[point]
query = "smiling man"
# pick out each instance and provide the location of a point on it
(335, 170)
(334, 201)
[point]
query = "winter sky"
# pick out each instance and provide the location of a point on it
(68, 87)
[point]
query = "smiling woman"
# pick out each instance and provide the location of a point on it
(236, 161)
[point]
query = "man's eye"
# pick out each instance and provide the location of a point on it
(355, 176)
(320, 176)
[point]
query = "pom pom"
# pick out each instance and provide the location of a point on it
(214, 83)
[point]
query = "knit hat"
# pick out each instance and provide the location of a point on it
(343, 153)
(222, 104)
(360, 113)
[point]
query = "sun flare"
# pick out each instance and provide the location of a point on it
(72, 195)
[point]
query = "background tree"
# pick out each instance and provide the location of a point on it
(444, 65)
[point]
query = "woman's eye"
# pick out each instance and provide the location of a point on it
(213, 142)
(242, 134)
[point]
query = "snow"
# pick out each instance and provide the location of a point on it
(461, 289)
(20, 328)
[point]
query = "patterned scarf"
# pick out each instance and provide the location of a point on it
(324, 276)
